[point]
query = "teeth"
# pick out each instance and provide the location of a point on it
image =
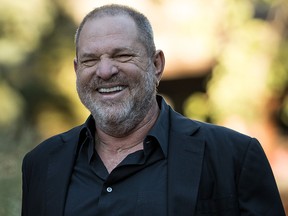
(109, 90)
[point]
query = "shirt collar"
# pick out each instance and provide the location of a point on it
(87, 137)
(160, 130)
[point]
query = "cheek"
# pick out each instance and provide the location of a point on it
(137, 80)
(83, 84)
(84, 76)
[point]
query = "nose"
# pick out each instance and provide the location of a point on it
(106, 69)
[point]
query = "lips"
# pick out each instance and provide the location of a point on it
(110, 89)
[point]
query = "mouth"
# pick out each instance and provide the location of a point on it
(110, 90)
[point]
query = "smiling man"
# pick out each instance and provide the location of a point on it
(116, 76)
(135, 155)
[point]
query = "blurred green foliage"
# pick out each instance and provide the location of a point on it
(36, 40)
(37, 89)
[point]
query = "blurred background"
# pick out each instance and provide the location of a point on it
(227, 63)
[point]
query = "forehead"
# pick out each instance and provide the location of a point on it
(108, 30)
(110, 24)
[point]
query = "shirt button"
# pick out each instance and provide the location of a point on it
(109, 189)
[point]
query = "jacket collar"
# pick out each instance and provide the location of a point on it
(185, 157)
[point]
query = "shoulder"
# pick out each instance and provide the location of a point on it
(226, 141)
(51, 144)
(212, 131)
(216, 138)
(185, 125)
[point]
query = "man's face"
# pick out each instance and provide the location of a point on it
(116, 79)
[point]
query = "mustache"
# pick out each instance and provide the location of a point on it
(96, 82)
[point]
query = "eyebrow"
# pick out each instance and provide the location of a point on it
(113, 52)
(87, 55)
(121, 49)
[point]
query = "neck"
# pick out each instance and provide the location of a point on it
(132, 140)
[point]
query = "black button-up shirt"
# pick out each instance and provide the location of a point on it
(137, 186)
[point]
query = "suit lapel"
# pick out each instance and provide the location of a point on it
(60, 166)
(184, 172)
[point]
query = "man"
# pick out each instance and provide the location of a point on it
(134, 155)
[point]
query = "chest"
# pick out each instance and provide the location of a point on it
(136, 186)
(111, 160)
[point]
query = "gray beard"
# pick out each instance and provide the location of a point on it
(120, 118)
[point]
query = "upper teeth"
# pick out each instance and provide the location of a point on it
(108, 90)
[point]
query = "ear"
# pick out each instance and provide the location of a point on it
(75, 64)
(159, 64)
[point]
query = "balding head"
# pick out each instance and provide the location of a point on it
(143, 25)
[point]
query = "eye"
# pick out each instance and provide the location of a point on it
(89, 62)
(123, 57)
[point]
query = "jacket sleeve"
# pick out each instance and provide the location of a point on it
(258, 192)
(24, 188)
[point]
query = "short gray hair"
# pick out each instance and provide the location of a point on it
(145, 30)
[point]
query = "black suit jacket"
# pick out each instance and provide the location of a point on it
(211, 171)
